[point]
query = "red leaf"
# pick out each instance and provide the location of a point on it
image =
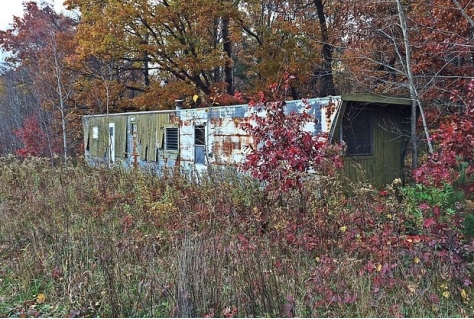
(429, 222)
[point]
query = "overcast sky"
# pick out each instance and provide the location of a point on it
(10, 8)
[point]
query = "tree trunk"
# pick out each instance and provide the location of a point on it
(146, 64)
(229, 79)
(415, 99)
(62, 106)
(326, 76)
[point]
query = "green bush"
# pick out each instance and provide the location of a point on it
(469, 225)
(424, 202)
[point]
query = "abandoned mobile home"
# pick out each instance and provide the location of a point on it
(372, 127)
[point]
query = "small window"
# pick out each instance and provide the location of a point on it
(357, 132)
(200, 144)
(171, 139)
(95, 132)
(199, 135)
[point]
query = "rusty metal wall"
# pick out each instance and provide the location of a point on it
(225, 141)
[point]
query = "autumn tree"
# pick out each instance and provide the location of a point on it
(452, 161)
(33, 138)
(158, 51)
(295, 37)
(443, 55)
(109, 74)
(16, 102)
(410, 49)
(39, 42)
(447, 65)
(142, 53)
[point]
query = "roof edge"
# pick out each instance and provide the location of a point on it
(377, 98)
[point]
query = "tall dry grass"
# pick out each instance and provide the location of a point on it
(80, 241)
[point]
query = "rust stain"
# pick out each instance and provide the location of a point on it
(216, 149)
(227, 146)
(330, 109)
(217, 121)
(174, 118)
(185, 123)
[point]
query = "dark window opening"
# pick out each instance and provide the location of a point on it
(126, 144)
(357, 132)
(200, 144)
(171, 139)
(162, 142)
(199, 135)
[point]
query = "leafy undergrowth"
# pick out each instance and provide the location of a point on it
(83, 242)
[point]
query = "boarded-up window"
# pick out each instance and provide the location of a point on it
(171, 139)
(357, 132)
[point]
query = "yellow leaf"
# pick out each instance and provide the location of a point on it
(463, 294)
(446, 294)
(412, 287)
(195, 97)
(416, 260)
(40, 298)
(379, 267)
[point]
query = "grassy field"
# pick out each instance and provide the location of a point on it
(77, 241)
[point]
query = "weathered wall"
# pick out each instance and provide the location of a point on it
(389, 142)
(139, 148)
(225, 142)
